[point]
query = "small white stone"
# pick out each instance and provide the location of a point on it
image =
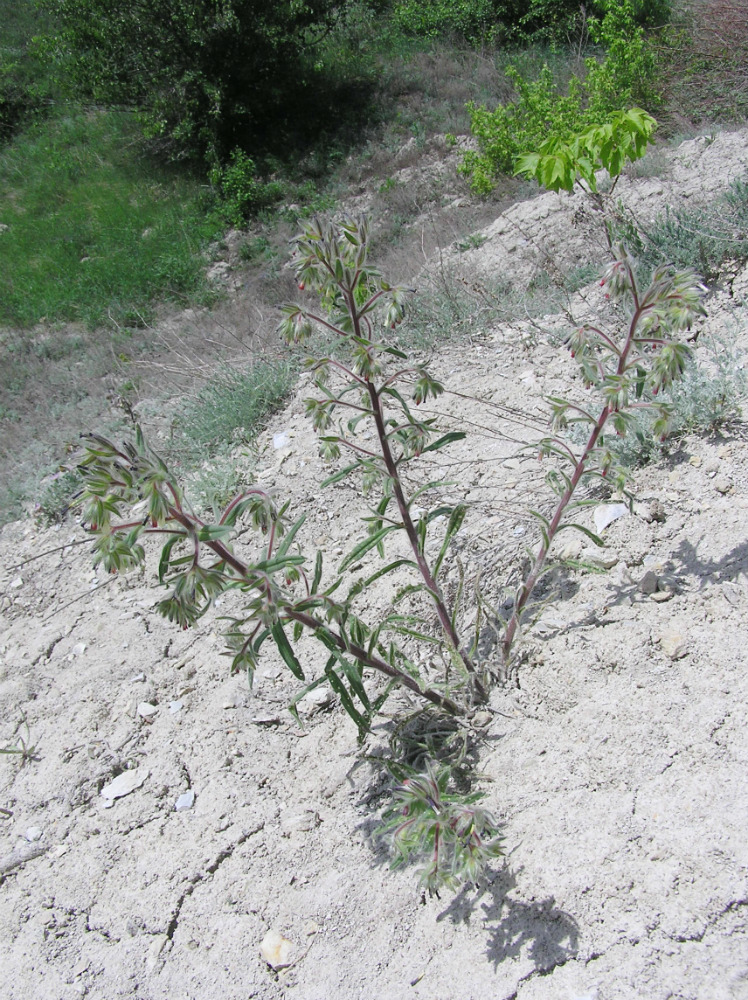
(175, 706)
(124, 783)
(276, 950)
(673, 644)
(185, 801)
(146, 710)
(78, 649)
(16, 583)
(33, 834)
(280, 440)
(607, 513)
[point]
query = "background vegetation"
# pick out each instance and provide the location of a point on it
(132, 135)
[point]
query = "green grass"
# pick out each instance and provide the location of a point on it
(96, 232)
(232, 408)
(702, 239)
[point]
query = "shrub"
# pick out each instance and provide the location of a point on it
(704, 239)
(240, 190)
(364, 407)
(233, 406)
(209, 77)
(626, 76)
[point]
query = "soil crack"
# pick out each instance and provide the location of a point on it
(211, 869)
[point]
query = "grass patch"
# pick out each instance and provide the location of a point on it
(232, 408)
(704, 239)
(95, 231)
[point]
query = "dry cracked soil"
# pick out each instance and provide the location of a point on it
(617, 764)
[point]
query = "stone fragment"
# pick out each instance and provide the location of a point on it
(276, 950)
(673, 644)
(482, 719)
(33, 834)
(722, 484)
(146, 710)
(300, 822)
(185, 801)
(175, 706)
(316, 700)
(695, 461)
(124, 783)
(660, 596)
(600, 558)
(15, 583)
(78, 649)
(648, 583)
(607, 513)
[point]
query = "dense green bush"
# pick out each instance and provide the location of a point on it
(209, 77)
(240, 189)
(516, 20)
(626, 76)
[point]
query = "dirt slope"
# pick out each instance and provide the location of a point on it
(619, 764)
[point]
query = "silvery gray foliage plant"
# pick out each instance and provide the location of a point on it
(365, 409)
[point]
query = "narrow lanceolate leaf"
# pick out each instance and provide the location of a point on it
(283, 549)
(302, 694)
(317, 571)
(585, 531)
(338, 686)
(163, 565)
(455, 523)
(341, 474)
(286, 650)
(388, 569)
(362, 548)
(353, 675)
(444, 440)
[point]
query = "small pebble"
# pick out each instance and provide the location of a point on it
(482, 719)
(673, 644)
(33, 834)
(276, 950)
(722, 484)
(146, 710)
(648, 583)
(185, 801)
(175, 706)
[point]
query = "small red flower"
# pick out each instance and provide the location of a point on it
(302, 286)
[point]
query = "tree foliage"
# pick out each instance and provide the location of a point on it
(208, 75)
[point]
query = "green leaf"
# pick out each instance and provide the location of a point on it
(362, 548)
(346, 701)
(303, 693)
(286, 650)
(363, 584)
(585, 531)
(215, 532)
(164, 562)
(283, 549)
(454, 525)
(317, 572)
(444, 440)
(341, 474)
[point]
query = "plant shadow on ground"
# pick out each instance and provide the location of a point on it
(550, 935)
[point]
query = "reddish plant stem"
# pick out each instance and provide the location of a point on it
(410, 530)
(537, 567)
(310, 622)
